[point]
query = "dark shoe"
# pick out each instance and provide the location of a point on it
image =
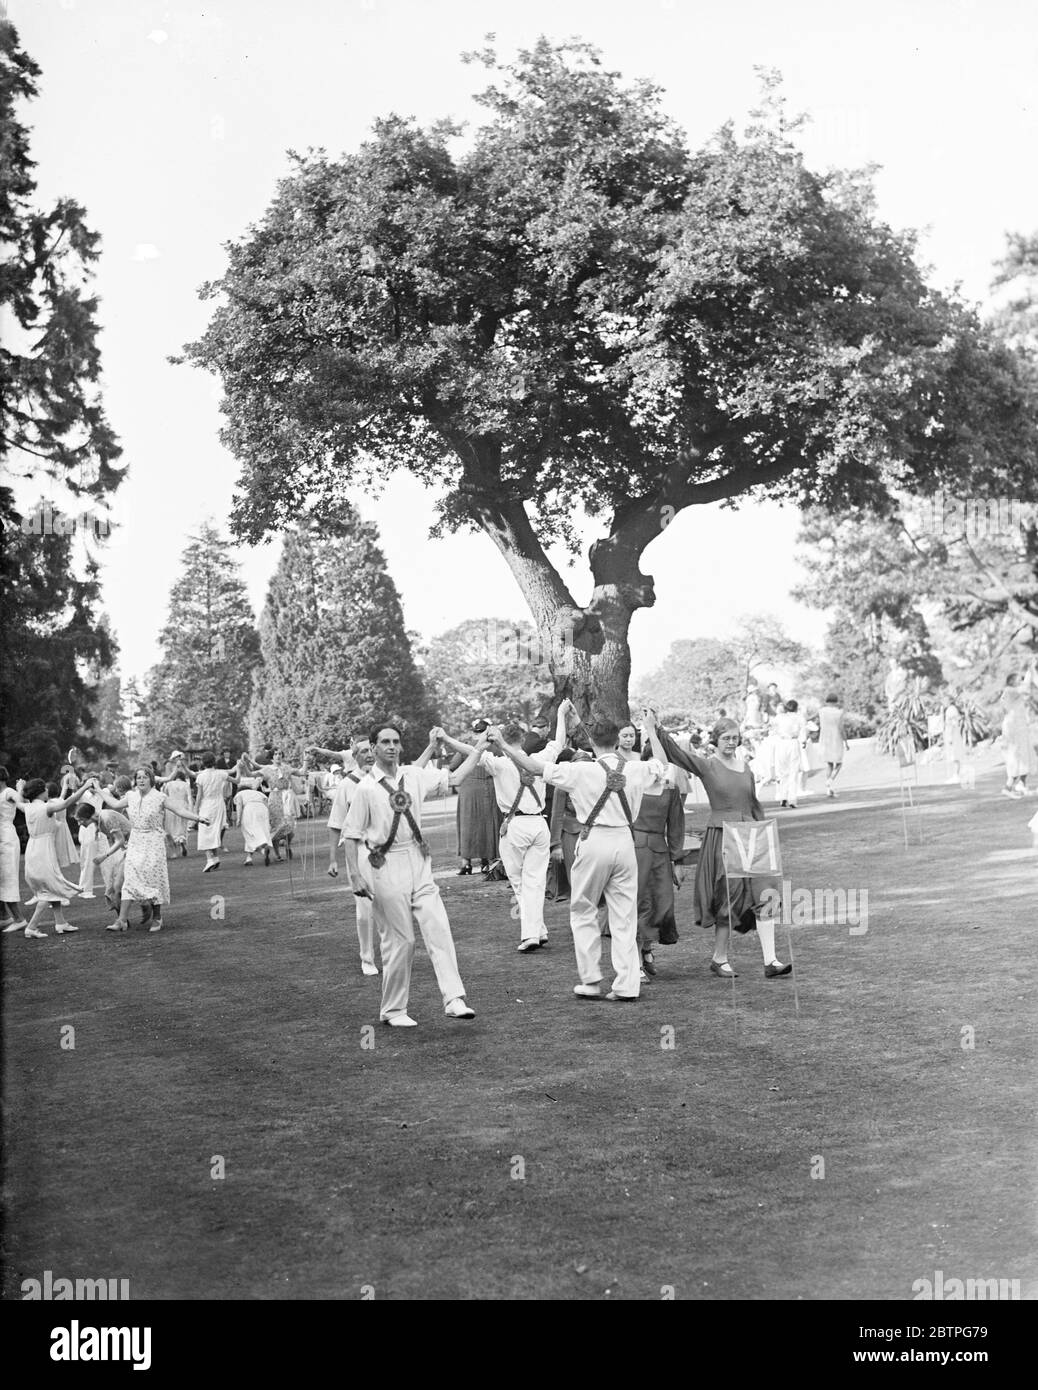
(772, 972)
(723, 969)
(648, 963)
(465, 869)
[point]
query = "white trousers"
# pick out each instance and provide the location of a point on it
(365, 921)
(524, 853)
(605, 863)
(787, 769)
(405, 893)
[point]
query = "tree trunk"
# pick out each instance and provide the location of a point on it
(587, 648)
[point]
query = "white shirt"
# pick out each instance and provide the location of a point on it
(585, 782)
(341, 801)
(370, 816)
(506, 784)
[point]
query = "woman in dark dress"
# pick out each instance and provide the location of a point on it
(479, 820)
(723, 902)
(659, 838)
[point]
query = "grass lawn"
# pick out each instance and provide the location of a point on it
(551, 1148)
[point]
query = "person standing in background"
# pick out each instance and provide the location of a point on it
(479, 821)
(832, 739)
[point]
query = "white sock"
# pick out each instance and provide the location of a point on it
(766, 937)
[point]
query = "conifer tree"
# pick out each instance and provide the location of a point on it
(202, 685)
(336, 652)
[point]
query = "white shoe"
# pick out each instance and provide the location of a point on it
(457, 1008)
(587, 991)
(64, 927)
(525, 946)
(644, 978)
(14, 926)
(156, 926)
(367, 968)
(34, 931)
(88, 895)
(399, 1021)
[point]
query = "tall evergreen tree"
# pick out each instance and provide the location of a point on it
(52, 426)
(51, 639)
(336, 653)
(202, 684)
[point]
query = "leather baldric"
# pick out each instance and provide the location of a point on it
(526, 781)
(353, 777)
(401, 803)
(616, 785)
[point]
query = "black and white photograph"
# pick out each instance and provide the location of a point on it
(519, 666)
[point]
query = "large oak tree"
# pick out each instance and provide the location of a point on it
(570, 309)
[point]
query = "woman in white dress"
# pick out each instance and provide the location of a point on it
(954, 748)
(254, 819)
(64, 844)
(210, 785)
(10, 855)
(42, 868)
(145, 876)
(177, 789)
(1016, 733)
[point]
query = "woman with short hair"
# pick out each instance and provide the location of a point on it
(832, 740)
(145, 876)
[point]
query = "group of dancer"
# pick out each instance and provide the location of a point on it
(619, 819)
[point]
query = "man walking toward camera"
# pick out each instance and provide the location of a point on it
(385, 814)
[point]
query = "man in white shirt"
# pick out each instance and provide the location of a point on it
(606, 796)
(385, 814)
(364, 756)
(525, 844)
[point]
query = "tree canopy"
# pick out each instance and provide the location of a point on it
(487, 667)
(574, 308)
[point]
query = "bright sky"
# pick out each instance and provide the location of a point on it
(170, 123)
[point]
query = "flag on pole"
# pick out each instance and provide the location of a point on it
(750, 849)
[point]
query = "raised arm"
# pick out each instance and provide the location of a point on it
(460, 773)
(454, 743)
(666, 750)
(60, 805)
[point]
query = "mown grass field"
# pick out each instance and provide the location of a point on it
(549, 1149)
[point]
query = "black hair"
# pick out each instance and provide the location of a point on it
(512, 733)
(376, 729)
(604, 733)
(208, 759)
(85, 811)
(33, 787)
(791, 706)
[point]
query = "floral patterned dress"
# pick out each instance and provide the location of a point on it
(146, 878)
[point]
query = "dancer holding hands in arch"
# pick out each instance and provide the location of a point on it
(721, 902)
(606, 795)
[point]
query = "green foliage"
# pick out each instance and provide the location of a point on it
(52, 425)
(201, 687)
(697, 676)
(574, 309)
(906, 719)
(51, 638)
(487, 667)
(336, 653)
(53, 422)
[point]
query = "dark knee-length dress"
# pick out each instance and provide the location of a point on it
(479, 820)
(733, 797)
